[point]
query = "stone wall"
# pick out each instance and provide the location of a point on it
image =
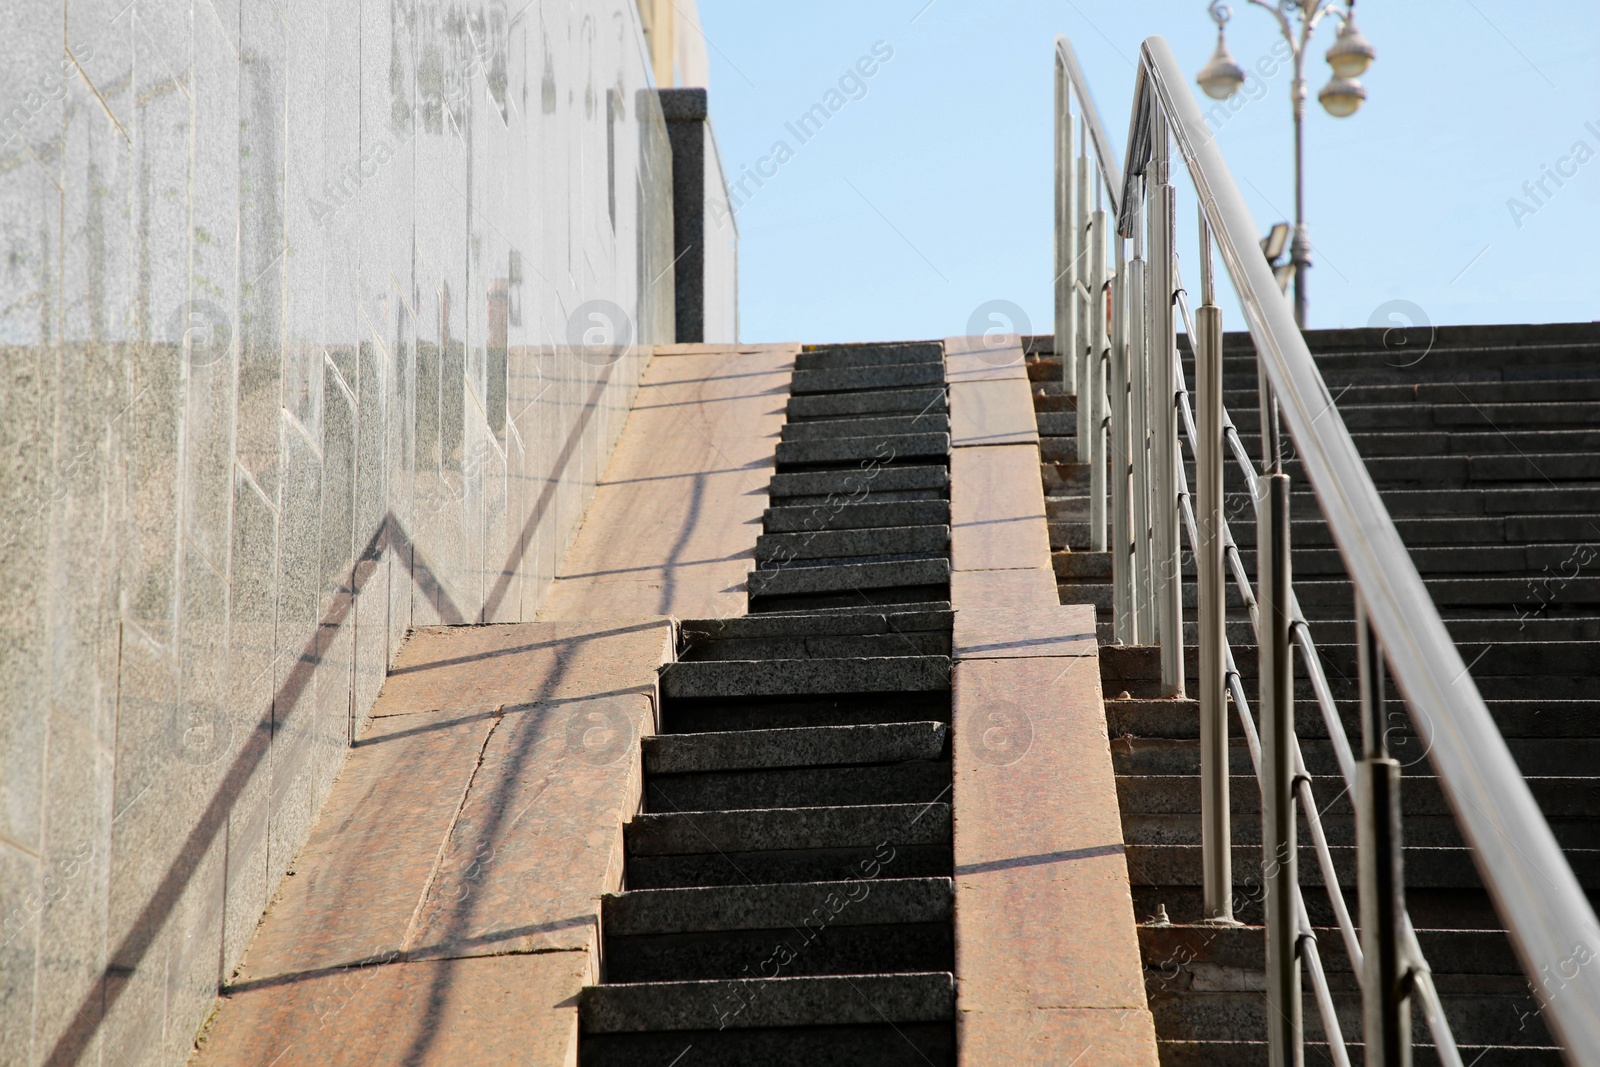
(318, 320)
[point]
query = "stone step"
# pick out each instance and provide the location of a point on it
(1143, 662)
(778, 713)
(855, 486)
(767, 1002)
(829, 544)
(1243, 1053)
(1243, 948)
(901, 846)
(1498, 1015)
(787, 829)
(912, 782)
(1239, 390)
(757, 627)
(708, 909)
(858, 948)
(845, 516)
(882, 450)
(872, 402)
(805, 677)
(1389, 417)
(911, 643)
(813, 746)
(875, 354)
(870, 1044)
(1469, 443)
(855, 378)
(1529, 718)
(881, 426)
(1464, 471)
(1425, 868)
(844, 577)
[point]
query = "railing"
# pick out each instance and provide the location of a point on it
(1128, 433)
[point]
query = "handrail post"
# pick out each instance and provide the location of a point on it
(1215, 826)
(1280, 862)
(1144, 622)
(1167, 566)
(1066, 239)
(1080, 274)
(1386, 981)
(1118, 460)
(1092, 384)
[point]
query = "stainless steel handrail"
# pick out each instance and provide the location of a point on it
(1105, 156)
(1545, 909)
(1439, 1027)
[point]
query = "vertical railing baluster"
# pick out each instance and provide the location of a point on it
(1066, 237)
(1095, 377)
(1166, 566)
(1278, 847)
(1080, 337)
(1385, 987)
(1144, 617)
(1215, 826)
(1119, 464)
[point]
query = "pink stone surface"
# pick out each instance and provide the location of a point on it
(481, 1010)
(992, 357)
(453, 873)
(673, 525)
(1024, 632)
(997, 515)
(1034, 587)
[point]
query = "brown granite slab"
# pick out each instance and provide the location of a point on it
(673, 524)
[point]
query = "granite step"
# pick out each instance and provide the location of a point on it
(832, 578)
(756, 627)
(822, 646)
(915, 400)
(855, 378)
(880, 426)
(805, 677)
(873, 354)
(853, 485)
(828, 544)
(846, 516)
(776, 1002)
(882, 450)
(813, 746)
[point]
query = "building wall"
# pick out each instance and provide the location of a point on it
(318, 320)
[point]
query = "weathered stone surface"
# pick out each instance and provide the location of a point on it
(769, 907)
(676, 515)
(992, 412)
(480, 1009)
(842, 379)
(841, 516)
(813, 429)
(745, 678)
(874, 998)
(788, 829)
(826, 357)
(814, 746)
(869, 402)
(992, 357)
(858, 485)
(827, 544)
(997, 509)
(882, 450)
(834, 578)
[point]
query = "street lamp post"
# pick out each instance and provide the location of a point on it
(1350, 55)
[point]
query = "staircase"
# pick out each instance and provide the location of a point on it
(1486, 449)
(789, 882)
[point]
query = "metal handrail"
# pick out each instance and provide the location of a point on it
(1104, 156)
(1546, 911)
(1438, 1025)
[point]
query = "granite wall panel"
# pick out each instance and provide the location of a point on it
(318, 320)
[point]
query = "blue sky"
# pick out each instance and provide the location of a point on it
(929, 192)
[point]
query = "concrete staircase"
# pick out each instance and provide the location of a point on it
(1484, 448)
(789, 882)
